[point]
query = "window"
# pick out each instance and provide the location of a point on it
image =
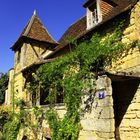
(58, 98)
(43, 97)
(19, 55)
(93, 14)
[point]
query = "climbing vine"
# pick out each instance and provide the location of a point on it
(67, 76)
(14, 121)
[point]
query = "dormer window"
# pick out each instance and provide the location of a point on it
(94, 15)
(96, 11)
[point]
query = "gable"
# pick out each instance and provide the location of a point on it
(36, 31)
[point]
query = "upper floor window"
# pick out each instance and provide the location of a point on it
(93, 13)
(19, 55)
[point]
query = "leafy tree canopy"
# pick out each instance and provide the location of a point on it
(3, 86)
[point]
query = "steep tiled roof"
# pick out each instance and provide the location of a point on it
(78, 29)
(35, 30)
(74, 30)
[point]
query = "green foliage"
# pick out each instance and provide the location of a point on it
(21, 119)
(11, 128)
(65, 129)
(4, 117)
(10, 122)
(3, 86)
(20, 103)
(69, 73)
(14, 122)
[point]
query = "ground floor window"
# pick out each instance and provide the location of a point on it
(43, 98)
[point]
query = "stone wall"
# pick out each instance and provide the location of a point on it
(97, 122)
(19, 82)
(9, 93)
(132, 33)
(126, 92)
(129, 62)
(30, 53)
(38, 130)
(97, 119)
(130, 125)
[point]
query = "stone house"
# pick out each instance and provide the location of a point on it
(117, 115)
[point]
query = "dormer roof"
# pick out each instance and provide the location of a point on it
(35, 30)
(89, 2)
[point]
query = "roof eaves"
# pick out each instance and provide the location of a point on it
(22, 38)
(39, 40)
(39, 62)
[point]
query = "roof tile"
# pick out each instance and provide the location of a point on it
(78, 29)
(35, 30)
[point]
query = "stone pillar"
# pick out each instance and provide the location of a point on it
(103, 108)
(6, 97)
(99, 124)
(9, 91)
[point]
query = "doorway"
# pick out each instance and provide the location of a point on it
(24, 138)
(123, 93)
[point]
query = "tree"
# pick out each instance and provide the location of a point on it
(3, 86)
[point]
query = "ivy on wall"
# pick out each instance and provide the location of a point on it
(13, 122)
(67, 76)
(68, 73)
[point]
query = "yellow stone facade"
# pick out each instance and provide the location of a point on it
(129, 62)
(29, 53)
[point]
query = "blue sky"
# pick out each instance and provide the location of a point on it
(56, 15)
